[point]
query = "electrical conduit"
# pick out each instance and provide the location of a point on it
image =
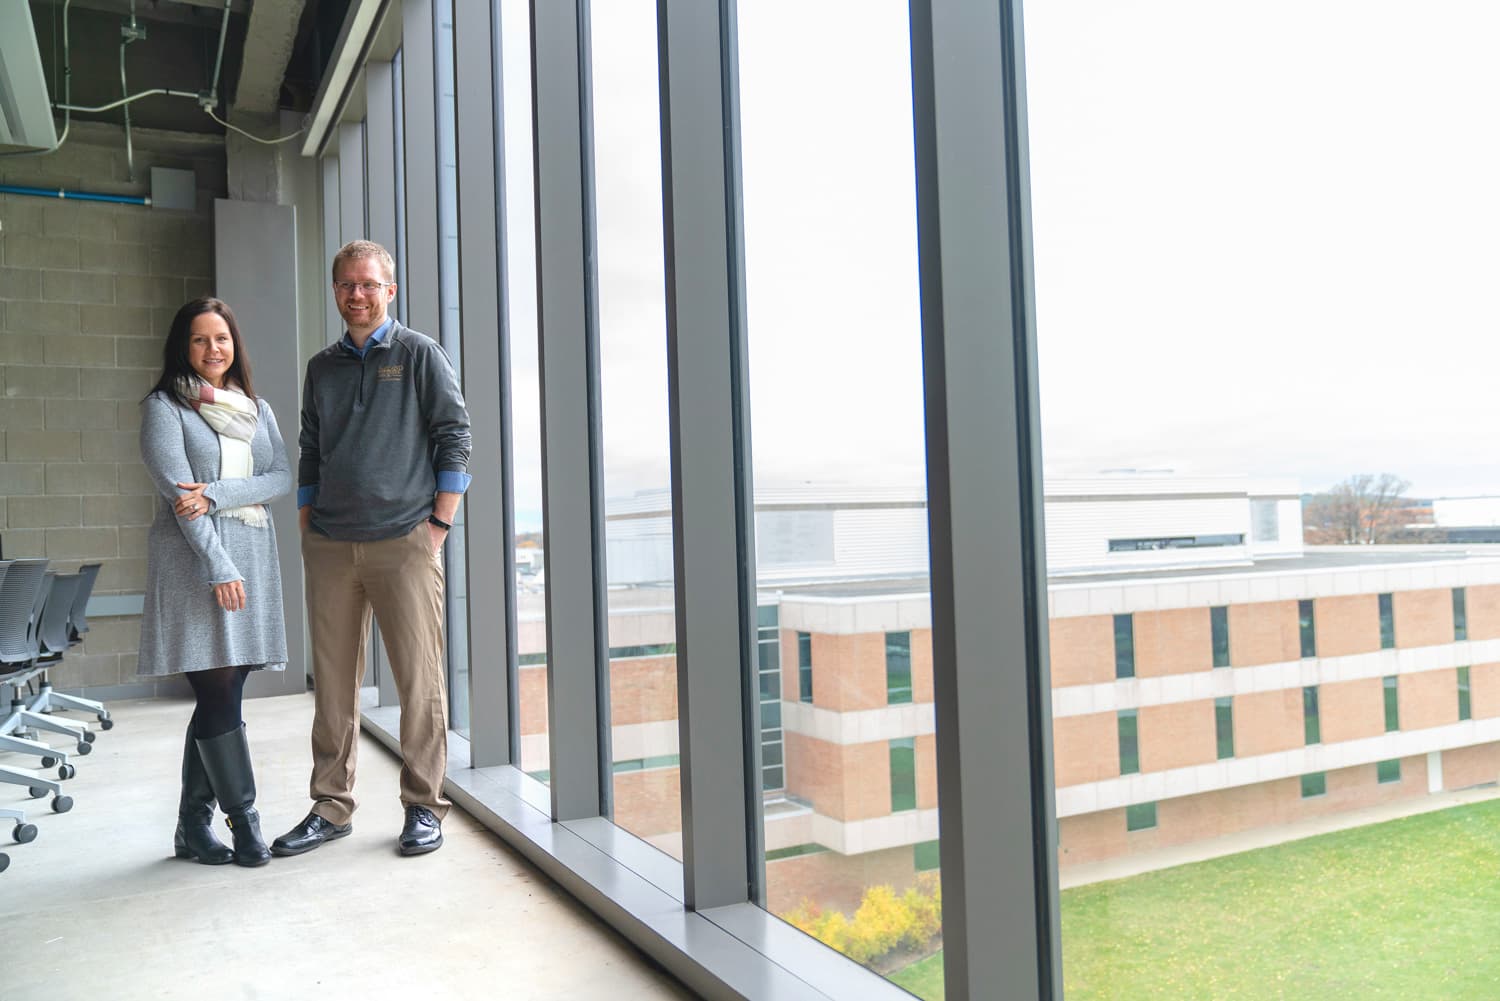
(84, 196)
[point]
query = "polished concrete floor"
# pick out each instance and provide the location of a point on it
(97, 908)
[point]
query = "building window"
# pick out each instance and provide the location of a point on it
(1224, 725)
(1392, 709)
(804, 667)
(925, 856)
(1264, 524)
(1140, 816)
(1175, 542)
(1387, 623)
(1388, 771)
(768, 649)
(1314, 784)
(1312, 730)
(1460, 615)
(1465, 706)
(1306, 627)
(903, 774)
(1130, 752)
(1124, 646)
(1218, 618)
(897, 668)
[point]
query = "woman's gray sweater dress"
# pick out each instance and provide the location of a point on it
(183, 628)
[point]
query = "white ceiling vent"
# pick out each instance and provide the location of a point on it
(25, 109)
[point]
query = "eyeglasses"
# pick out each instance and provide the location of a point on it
(368, 288)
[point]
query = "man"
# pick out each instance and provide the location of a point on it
(384, 458)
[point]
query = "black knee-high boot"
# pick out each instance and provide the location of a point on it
(227, 760)
(195, 812)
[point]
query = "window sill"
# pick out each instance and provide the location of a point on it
(738, 951)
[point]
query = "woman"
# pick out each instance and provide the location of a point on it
(213, 588)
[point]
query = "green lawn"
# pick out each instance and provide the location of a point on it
(1407, 910)
(923, 978)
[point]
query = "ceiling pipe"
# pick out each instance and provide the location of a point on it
(128, 33)
(213, 94)
(82, 196)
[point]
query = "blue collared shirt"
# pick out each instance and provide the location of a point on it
(449, 481)
(347, 342)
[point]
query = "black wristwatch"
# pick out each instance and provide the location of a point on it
(433, 519)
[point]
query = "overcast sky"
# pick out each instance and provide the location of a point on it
(1266, 239)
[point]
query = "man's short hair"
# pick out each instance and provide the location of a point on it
(357, 249)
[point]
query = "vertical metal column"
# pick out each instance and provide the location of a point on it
(419, 117)
(486, 337)
(568, 346)
(984, 494)
(708, 400)
(380, 154)
(351, 137)
(330, 192)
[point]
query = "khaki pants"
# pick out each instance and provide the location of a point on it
(401, 580)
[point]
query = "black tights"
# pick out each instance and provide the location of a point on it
(219, 691)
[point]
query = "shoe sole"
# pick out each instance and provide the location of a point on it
(183, 853)
(421, 849)
(281, 852)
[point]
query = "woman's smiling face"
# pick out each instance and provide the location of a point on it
(210, 348)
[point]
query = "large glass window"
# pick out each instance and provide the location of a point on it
(398, 159)
(450, 336)
(525, 386)
(1184, 196)
(835, 376)
(637, 462)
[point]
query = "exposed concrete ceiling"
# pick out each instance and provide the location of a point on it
(269, 40)
(274, 53)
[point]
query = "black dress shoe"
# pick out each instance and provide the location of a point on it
(309, 834)
(422, 832)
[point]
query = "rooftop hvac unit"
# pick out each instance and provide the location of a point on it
(25, 109)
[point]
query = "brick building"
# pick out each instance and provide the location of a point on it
(1199, 687)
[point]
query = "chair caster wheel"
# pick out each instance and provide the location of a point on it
(62, 804)
(4, 862)
(37, 792)
(66, 772)
(48, 761)
(24, 833)
(85, 748)
(90, 736)
(105, 723)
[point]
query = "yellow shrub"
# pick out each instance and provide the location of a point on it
(882, 923)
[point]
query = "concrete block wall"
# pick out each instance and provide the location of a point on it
(87, 291)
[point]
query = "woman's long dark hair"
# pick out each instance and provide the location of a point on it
(175, 364)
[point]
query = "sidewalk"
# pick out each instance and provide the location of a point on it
(1264, 837)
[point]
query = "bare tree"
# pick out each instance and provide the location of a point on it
(1363, 509)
